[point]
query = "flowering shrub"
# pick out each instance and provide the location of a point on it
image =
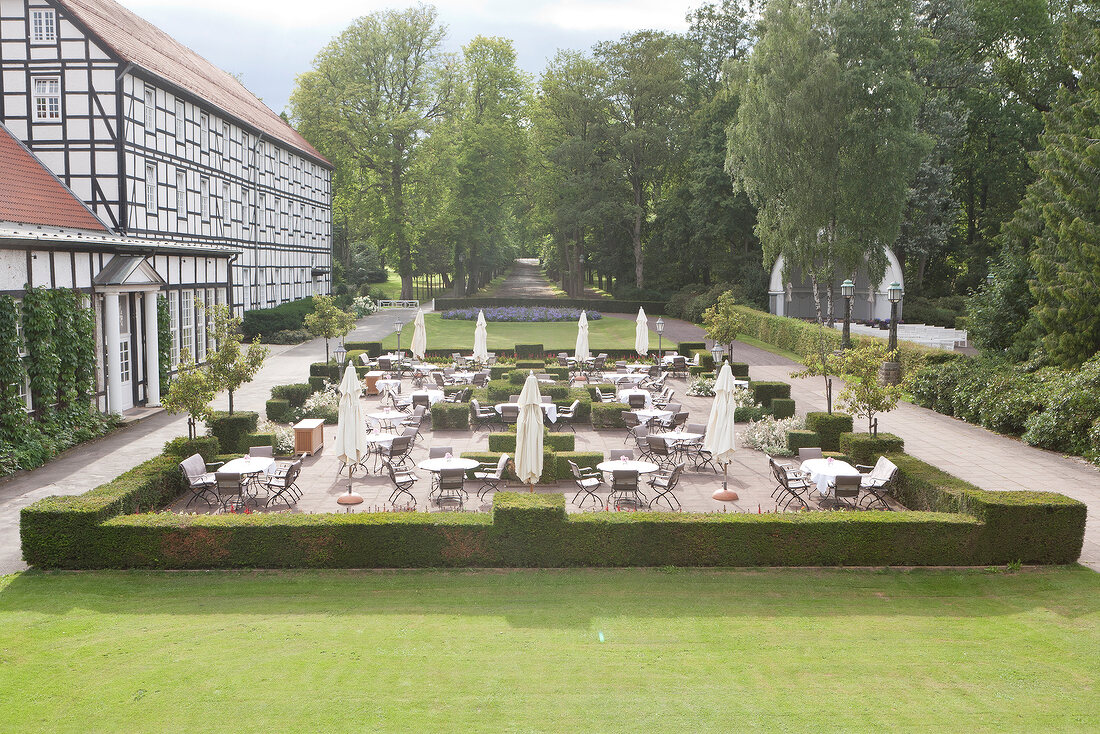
(363, 306)
(284, 436)
(323, 404)
(526, 314)
(701, 387)
(770, 435)
(744, 398)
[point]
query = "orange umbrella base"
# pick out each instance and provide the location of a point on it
(351, 498)
(725, 495)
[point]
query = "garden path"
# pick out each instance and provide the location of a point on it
(524, 280)
(87, 466)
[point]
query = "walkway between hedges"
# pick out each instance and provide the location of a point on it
(89, 465)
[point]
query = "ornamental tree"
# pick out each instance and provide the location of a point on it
(228, 367)
(723, 321)
(864, 394)
(190, 392)
(328, 321)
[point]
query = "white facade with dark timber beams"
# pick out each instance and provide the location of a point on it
(162, 145)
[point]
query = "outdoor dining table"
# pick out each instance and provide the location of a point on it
(645, 416)
(675, 437)
(424, 368)
(617, 377)
(379, 439)
(642, 467)
(464, 377)
(823, 472)
(249, 467)
(454, 462)
(390, 387)
(434, 396)
(387, 417)
(549, 409)
(635, 367)
(624, 396)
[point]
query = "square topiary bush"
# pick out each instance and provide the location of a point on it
(279, 411)
(740, 370)
(529, 351)
(330, 370)
(317, 383)
(450, 415)
(829, 426)
(746, 414)
(608, 415)
(763, 392)
(782, 407)
(373, 349)
(230, 429)
(531, 364)
(863, 448)
(686, 348)
(802, 439)
(249, 440)
(182, 447)
(295, 394)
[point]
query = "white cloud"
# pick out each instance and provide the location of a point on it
(291, 14)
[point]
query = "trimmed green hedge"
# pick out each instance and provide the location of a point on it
(450, 415)
(606, 305)
(331, 370)
(555, 464)
(373, 349)
(747, 414)
(506, 442)
(608, 415)
(763, 392)
(284, 317)
(530, 351)
(686, 348)
(182, 447)
(279, 411)
(783, 407)
(829, 426)
(865, 449)
(802, 439)
(740, 370)
(249, 440)
(966, 526)
(295, 395)
(317, 384)
(230, 429)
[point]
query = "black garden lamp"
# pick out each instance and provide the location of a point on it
(893, 294)
(848, 290)
(660, 325)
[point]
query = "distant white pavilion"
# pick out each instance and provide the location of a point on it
(794, 297)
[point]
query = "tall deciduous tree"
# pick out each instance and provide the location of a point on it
(374, 95)
(328, 321)
(228, 366)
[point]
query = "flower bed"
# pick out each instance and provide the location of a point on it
(525, 314)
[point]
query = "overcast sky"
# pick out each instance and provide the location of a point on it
(270, 42)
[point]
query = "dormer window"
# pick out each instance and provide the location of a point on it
(43, 25)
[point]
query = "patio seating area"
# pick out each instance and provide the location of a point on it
(657, 462)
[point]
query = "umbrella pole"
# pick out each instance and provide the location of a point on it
(725, 494)
(351, 498)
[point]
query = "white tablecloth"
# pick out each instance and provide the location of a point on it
(645, 415)
(434, 396)
(618, 377)
(393, 386)
(550, 409)
(249, 465)
(624, 396)
(824, 472)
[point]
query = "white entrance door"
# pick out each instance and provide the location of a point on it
(126, 354)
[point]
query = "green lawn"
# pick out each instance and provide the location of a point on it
(569, 650)
(605, 333)
(392, 286)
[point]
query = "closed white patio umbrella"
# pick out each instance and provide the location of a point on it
(719, 440)
(481, 339)
(641, 334)
(529, 433)
(351, 433)
(581, 352)
(420, 335)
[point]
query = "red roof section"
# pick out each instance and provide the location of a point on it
(30, 194)
(136, 40)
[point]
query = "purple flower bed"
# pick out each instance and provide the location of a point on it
(520, 313)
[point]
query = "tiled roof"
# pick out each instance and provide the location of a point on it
(136, 40)
(30, 194)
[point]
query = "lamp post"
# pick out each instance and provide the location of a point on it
(848, 290)
(716, 353)
(340, 353)
(894, 294)
(660, 334)
(397, 329)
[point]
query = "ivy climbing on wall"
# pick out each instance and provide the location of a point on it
(43, 362)
(164, 341)
(13, 418)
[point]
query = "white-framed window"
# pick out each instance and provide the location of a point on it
(297, 216)
(151, 189)
(284, 214)
(181, 194)
(227, 207)
(124, 371)
(250, 210)
(25, 385)
(43, 25)
(47, 98)
(211, 296)
(150, 110)
(181, 122)
(264, 221)
(204, 132)
(187, 321)
(204, 199)
(174, 326)
(223, 147)
(200, 325)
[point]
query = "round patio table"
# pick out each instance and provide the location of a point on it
(436, 465)
(624, 396)
(387, 417)
(645, 416)
(824, 472)
(677, 436)
(642, 467)
(549, 409)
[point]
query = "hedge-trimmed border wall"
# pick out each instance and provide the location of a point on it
(955, 524)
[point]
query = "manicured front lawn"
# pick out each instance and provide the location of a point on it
(567, 650)
(605, 333)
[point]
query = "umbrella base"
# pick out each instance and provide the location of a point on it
(351, 498)
(725, 495)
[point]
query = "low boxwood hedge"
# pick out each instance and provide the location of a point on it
(764, 392)
(863, 448)
(802, 439)
(953, 523)
(230, 428)
(331, 370)
(450, 415)
(249, 440)
(686, 348)
(608, 415)
(295, 394)
(555, 464)
(182, 447)
(317, 383)
(506, 442)
(373, 349)
(740, 370)
(279, 411)
(747, 414)
(829, 426)
(529, 351)
(783, 407)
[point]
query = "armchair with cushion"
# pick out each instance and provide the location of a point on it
(200, 479)
(587, 481)
(878, 481)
